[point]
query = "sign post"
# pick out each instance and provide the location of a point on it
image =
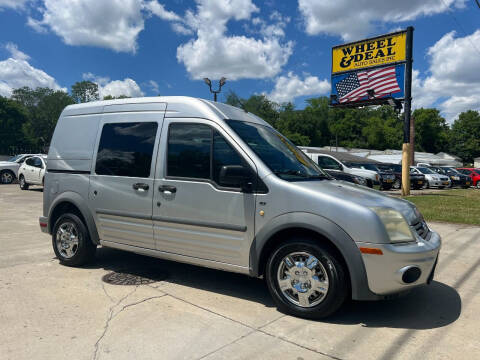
(406, 148)
(377, 71)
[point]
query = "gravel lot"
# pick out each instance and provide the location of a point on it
(126, 306)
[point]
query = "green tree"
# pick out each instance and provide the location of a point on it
(38, 130)
(85, 91)
(431, 131)
(12, 116)
(465, 136)
(256, 104)
(111, 97)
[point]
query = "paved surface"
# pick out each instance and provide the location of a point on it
(49, 311)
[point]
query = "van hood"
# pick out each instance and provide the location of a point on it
(362, 196)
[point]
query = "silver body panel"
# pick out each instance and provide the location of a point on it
(206, 225)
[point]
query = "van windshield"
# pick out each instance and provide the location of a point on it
(277, 152)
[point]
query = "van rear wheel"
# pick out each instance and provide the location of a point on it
(71, 241)
(306, 279)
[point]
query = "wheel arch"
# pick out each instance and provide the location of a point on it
(280, 228)
(72, 202)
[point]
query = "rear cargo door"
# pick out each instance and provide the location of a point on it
(121, 184)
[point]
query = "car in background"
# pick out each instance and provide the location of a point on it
(432, 179)
(32, 172)
(456, 177)
(387, 177)
(473, 173)
(328, 162)
(417, 181)
(9, 168)
(340, 175)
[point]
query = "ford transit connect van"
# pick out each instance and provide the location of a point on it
(209, 184)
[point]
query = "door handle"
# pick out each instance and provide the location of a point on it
(140, 186)
(167, 188)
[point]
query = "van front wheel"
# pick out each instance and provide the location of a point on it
(306, 279)
(71, 241)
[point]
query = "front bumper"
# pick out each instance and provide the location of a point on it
(385, 273)
(438, 183)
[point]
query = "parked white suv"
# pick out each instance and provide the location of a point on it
(32, 171)
(329, 162)
(9, 168)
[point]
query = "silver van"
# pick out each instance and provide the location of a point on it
(209, 184)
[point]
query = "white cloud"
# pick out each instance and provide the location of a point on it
(154, 86)
(113, 24)
(17, 72)
(354, 19)
(214, 54)
(287, 88)
(160, 11)
(115, 88)
(13, 4)
(453, 83)
(15, 53)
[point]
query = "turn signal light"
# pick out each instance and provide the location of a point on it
(373, 251)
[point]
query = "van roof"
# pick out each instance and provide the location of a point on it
(177, 106)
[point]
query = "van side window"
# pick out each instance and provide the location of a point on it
(189, 148)
(126, 149)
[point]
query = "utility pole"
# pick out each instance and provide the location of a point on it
(412, 140)
(406, 148)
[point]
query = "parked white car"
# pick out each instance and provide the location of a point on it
(329, 162)
(9, 168)
(432, 179)
(32, 171)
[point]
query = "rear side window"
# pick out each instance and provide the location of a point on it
(126, 149)
(29, 161)
(328, 163)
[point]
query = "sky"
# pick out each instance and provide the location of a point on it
(280, 48)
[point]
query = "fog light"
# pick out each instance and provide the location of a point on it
(411, 275)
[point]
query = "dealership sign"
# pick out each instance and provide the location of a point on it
(369, 71)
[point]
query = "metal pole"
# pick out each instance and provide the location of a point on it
(408, 108)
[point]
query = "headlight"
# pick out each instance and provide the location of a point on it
(359, 180)
(397, 227)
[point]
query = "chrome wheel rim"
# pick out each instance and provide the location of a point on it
(7, 178)
(302, 279)
(22, 181)
(67, 239)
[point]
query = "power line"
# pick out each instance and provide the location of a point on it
(461, 26)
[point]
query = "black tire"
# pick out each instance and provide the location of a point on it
(7, 177)
(23, 184)
(441, 187)
(84, 251)
(338, 287)
(386, 187)
(369, 183)
(397, 184)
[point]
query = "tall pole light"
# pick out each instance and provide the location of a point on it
(220, 84)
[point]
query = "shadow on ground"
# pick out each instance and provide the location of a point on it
(426, 307)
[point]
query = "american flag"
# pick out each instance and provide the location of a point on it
(355, 86)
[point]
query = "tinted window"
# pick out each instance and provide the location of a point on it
(224, 154)
(189, 147)
(29, 161)
(328, 163)
(126, 149)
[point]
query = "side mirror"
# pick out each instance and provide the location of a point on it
(236, 176)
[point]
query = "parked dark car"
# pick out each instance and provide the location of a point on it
(340, 175)
(387, 177)
(417, 181)
(456, 177)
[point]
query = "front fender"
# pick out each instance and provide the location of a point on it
(326, 228)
